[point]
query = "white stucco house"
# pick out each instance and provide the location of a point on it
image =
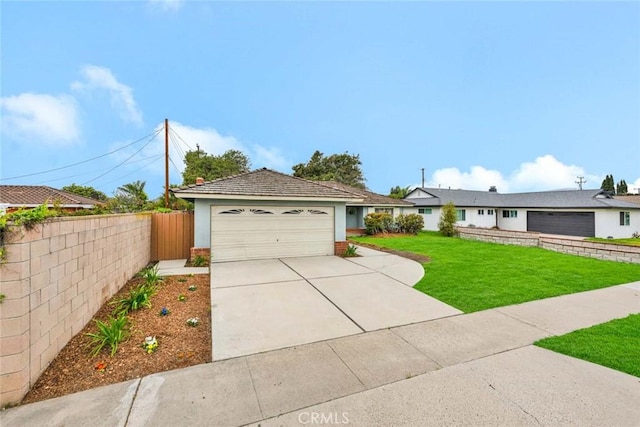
(587, 213)
(268, 214)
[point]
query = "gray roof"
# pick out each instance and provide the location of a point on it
(561, 199)
(264, 183)
(369, 198)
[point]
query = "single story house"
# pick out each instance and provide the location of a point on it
(14, 197)
(371, 202)
(588, 213)
(267, 214)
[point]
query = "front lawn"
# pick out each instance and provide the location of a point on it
(615, 344)
(472, 275)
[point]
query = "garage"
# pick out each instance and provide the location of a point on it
(564, 223)
(257, 232)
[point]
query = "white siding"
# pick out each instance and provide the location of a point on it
(608, 223)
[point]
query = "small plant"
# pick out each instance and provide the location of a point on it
(193, 288)
(193, 322)
(351, 251)
(182, 298)
(138, 298)
(448, 219)
(199, 261)
(150, 344)
(164, 311)
(182, 280)
(636, 235)
(110, 334)
(151, 276)
(411, 223)
(2, 297)
(378, 222)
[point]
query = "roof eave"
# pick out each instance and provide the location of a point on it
(266, 198)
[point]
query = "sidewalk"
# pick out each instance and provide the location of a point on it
(474, 369)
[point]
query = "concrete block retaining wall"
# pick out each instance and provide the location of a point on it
(55, 278)
(567, 245)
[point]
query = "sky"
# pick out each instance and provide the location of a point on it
(526, 96)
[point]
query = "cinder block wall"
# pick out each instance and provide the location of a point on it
(55, 279)
(556, 243)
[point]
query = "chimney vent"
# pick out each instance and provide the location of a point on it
(199, 181)
(493, 189)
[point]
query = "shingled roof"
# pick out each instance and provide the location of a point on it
(263, 183)
(369, 198)
(35, 195)
(567, 199)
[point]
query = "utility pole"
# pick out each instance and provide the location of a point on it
(422, 177)
(581, 181)
(166, 163)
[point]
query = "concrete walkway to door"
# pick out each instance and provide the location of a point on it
(264, 305)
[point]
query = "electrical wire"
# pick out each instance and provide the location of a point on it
(155, 159)
(123, 162)
(180, 138)
(153, 134)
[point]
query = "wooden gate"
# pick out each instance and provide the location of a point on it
(171, 235)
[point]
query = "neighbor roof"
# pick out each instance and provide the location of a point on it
(630, 198)
(35, 195)
(369, 198)
(263, 183)
(561, 199)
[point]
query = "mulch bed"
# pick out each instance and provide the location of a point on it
(180, 345)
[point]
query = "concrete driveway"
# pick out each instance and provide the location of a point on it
(264, 305)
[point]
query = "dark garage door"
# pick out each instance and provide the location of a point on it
(566, 223)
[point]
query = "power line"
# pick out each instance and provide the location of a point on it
(154, 134)
(125, 161)
(155, 159)
(180, 138)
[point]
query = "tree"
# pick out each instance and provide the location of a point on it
(448, 219)
(621, 188)
(131, 197)
(86, 191)
(398, 192)
(208, 166)
(608, 184)
(344, 168)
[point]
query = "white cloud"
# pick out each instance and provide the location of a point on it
(544, 173)
(478, 178)
(548, 173)
(49, 119)
(634, 187)
(166, 5)
(270, 158)
(101, 78)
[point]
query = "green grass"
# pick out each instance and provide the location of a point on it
(625, 242)
(473, 276)
(615, 344)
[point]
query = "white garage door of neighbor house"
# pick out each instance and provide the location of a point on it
(257, 232)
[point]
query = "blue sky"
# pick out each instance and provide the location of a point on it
(524, 96)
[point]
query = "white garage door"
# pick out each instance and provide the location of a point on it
(255, 232)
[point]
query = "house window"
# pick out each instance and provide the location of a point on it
(480, 211)
(625, 218)
(385, 210)
(509, 214)
(462, 214)
(425, 211)
(489, 211)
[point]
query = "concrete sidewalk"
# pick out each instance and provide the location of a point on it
(475, 369)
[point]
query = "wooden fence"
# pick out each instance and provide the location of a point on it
(171, 235)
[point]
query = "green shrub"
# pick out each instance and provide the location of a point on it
(411, 223)
(198, 261)
(350, 251)
(110, 334)
(448, 219)
(378, 222)
(151, 275)
(138, 298)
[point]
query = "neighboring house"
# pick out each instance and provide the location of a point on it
(267, 214)
(629, 198)
(371, 202)
(588, 213)
(14, 197)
